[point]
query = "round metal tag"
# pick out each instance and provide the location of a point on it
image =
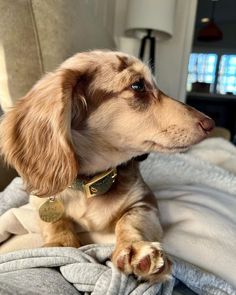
(52, 210)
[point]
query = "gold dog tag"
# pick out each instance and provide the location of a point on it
(52, 210)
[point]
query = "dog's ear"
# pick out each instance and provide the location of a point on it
(35, 135)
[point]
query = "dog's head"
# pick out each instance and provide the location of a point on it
(97, 110)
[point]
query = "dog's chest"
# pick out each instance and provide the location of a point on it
(101, 213)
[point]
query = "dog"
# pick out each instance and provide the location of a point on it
(75, 137)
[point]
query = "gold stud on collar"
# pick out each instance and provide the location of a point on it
(97, 185)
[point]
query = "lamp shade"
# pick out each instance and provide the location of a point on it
(211, 32)
(156, 15)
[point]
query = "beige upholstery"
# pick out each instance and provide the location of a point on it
(19, 54)
(36, 36)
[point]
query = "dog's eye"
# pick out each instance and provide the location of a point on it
(138, 86)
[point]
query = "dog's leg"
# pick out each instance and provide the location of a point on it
(59, 234)
(138, 250)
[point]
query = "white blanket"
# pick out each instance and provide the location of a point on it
(210, 163)
(197, 201)
(200, 227)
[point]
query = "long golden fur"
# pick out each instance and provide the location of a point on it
(96, 111)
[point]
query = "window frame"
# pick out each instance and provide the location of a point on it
(226, 74)
(219, 53)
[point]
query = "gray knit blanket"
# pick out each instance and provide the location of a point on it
(88, 270)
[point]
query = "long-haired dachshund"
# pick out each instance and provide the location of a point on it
(74, 139)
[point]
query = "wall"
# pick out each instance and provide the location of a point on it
(171, 55)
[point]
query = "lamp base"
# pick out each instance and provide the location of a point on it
(152, 41)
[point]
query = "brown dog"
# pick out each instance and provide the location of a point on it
(98, 111)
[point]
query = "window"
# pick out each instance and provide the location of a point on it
(204, 67)
(227, 75)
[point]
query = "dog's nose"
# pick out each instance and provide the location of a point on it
(207, 124)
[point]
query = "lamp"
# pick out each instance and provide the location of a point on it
(210, 32)
(153, 17)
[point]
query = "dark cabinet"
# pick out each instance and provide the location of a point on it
(220, 108)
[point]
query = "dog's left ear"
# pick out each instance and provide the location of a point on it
(35, 136)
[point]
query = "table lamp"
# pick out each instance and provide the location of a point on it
(151, 20)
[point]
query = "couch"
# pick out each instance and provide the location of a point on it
(35, 37)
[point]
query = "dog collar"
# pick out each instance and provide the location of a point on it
(97, 185)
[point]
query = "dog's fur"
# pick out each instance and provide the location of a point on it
(83, 119)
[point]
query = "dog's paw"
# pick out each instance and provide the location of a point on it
(144, 259)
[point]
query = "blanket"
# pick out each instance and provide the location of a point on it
(89, 270)
(196, 208)
(210, 163)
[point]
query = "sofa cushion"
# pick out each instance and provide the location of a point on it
(36, 36)
(19, 56)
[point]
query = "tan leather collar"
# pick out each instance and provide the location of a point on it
(97, 185)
